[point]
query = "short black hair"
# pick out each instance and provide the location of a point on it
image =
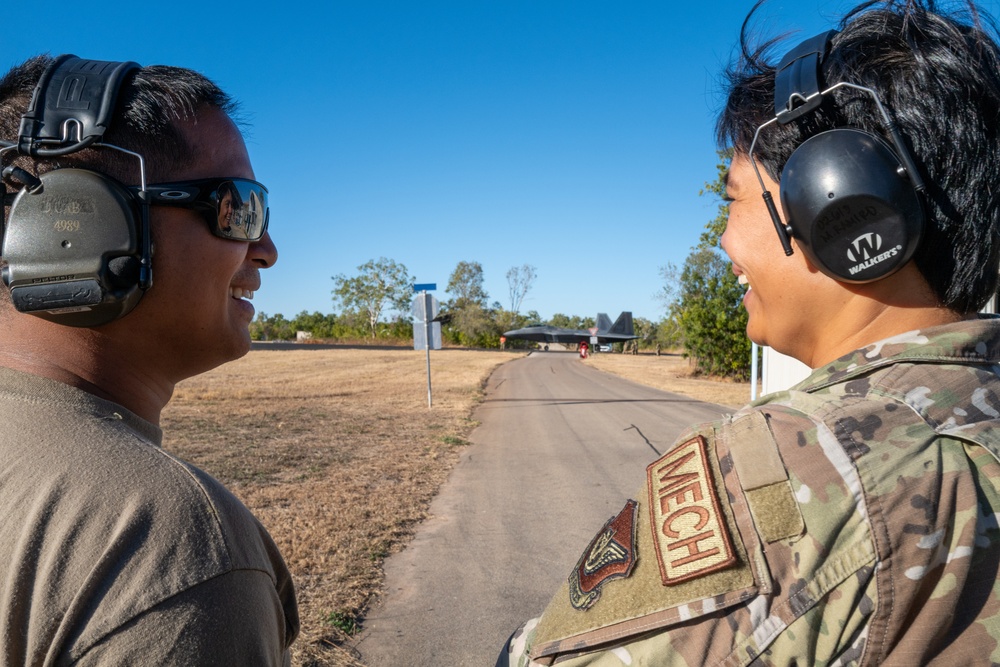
(151, 103)
(938, 75)
(228, 187)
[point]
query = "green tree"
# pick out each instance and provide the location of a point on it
(319, 325)
(471, 323)
(645, 330)
(562, 321)
(271, 327)
(466, 284)
(474, 327)
(506, 320)
(571, 321)
(711, 317)
(705, 300)
(380, 285)
(669, 334)
(712, 236)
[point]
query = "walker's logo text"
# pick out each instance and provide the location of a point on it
(864, 252)
(689, 531)
(611, 555)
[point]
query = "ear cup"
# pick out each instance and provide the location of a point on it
(72, 249)
(850, 205)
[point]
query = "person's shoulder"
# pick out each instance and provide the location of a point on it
(96, 456)
(247, 542)
(906, 400)
(720, 527)
(179, 528)
(131, 522)
(119, 474)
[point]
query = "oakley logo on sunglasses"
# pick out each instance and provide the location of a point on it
(175, 194)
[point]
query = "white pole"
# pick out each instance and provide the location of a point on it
(764, 370)
(753, 371)
(427, 340)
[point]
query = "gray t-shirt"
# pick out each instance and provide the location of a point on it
(114, 552)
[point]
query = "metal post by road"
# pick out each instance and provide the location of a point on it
(427, 337)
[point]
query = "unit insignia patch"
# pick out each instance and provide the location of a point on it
(611, 555)
(689, 530)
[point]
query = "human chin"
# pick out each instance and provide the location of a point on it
(755, 333)
(236, 342)
(756, 323)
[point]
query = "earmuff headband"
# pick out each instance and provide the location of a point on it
(797, 79)
(72, 106)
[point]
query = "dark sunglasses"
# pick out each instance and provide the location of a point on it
(234, 208)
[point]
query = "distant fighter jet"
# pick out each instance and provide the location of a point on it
(605, 332)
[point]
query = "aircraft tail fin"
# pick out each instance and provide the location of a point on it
(603, 323)
(623, 325)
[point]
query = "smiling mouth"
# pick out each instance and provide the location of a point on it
(742, 279)
(240, 293)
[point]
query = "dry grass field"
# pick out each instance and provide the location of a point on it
(339, 456)
(671, 372)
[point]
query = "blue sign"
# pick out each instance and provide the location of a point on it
(424, 287)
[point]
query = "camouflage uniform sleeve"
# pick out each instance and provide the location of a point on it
(857, 527)
(733, 558)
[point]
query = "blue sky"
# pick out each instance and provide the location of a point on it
(570, 135)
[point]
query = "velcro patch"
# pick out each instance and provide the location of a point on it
(689, 531)
(611, 555)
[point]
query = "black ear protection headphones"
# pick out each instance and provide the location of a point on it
(76, 242)
(852, 203)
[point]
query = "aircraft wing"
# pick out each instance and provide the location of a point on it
(547, 334)
(621, 330)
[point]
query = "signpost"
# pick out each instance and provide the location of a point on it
(425, 309)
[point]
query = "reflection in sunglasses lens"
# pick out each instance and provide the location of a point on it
(241, 210)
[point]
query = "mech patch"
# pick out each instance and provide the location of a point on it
(611, 555)
(689, 531)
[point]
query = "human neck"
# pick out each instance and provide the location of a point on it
(860, 315)
(85, 359)
(863, 330)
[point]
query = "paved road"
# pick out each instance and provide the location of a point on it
(560, 448)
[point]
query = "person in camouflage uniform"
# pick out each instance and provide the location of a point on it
(855, 518)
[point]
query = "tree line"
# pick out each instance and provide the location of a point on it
(704, 318)
(704, 299)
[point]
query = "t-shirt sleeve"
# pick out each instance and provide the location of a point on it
(233, 619)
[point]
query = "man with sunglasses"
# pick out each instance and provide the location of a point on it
(113, 551)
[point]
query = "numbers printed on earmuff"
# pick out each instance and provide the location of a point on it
(67, 225)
